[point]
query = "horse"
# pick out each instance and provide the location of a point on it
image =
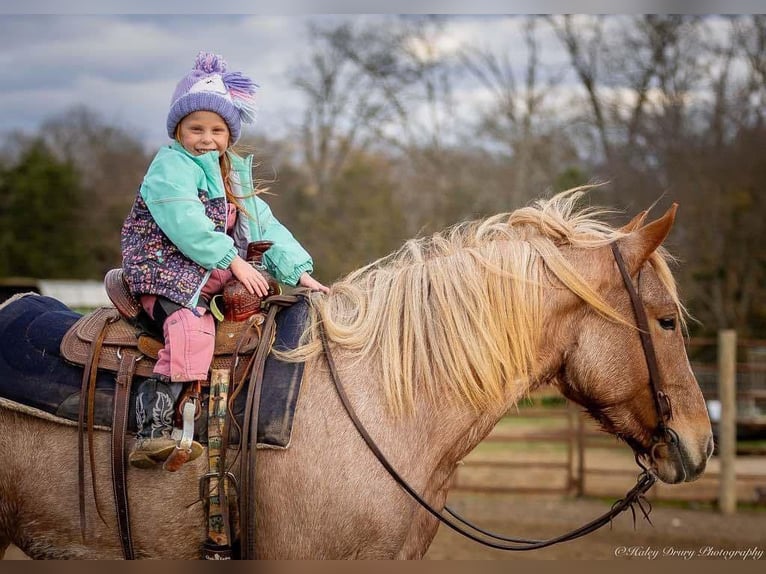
(433, 344)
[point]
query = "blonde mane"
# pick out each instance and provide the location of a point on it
(459, 313)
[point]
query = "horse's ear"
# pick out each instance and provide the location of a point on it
(642, 242)
(635, 223)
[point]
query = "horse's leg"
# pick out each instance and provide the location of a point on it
(4, 544)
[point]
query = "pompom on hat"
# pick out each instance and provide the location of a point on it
(211, 88)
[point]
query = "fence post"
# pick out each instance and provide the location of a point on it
(580, 455)
(727, 426)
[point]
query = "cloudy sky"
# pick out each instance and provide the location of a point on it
(125, 66)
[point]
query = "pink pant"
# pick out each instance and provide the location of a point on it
(189, 336)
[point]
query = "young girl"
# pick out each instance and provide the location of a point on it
(187, 234)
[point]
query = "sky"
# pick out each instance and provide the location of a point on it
(125, 66)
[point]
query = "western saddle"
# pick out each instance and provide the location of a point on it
(116, 339)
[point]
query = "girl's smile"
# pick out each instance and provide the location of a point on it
(202, 132)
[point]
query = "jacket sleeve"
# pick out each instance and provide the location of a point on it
(286, 259)
(170, 190)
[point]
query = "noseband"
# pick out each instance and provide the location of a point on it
(635, 497)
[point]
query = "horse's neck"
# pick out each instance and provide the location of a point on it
(432, 439)
(438, 437)
(457, 428)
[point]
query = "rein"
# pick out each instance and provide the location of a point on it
(635, 496)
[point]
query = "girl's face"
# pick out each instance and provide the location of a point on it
(202, 132)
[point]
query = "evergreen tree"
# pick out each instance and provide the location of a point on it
(41, 203)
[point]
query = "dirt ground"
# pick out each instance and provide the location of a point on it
(685, 523)
(676, 532)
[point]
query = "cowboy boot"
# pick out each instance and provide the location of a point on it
(155, 402)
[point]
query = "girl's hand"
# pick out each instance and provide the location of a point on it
(251, 278)
(307, 280)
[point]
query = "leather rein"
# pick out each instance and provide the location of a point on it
(634, 497)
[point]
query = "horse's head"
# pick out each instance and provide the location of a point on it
(605, 367)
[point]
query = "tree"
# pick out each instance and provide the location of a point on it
(676, 103)
(110, 163)
(350, 224)
(342, 108)
(42, 199)
(520, 119)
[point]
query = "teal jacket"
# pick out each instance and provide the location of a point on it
(174, 235)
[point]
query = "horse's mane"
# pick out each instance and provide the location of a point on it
(459, 313)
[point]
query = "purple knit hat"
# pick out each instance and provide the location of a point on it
(211, 88)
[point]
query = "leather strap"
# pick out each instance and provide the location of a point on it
(119, 458)
(249, 439)
(249, 436)
(661, 402)
(87, 398)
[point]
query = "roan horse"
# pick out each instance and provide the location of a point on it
(433, 344)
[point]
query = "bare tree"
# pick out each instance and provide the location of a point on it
(519, 117)
(110, 162)
(388, 86)
(750, 39)
(584, 41)
(345, 107)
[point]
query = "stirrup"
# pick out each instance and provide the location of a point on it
(185, 450)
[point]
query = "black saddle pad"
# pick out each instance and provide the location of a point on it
(32, 372)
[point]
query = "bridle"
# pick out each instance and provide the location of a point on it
(662, 405)
(634, 497)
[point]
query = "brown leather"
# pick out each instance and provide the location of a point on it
(190, 392)
(120, 334)
(239, 303)
(85, 420)
(249, 439)
(97, 339)
(119, 294)
(176, 460)
(130, 358)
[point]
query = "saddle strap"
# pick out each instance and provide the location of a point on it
(119, 460)
(249, 439)
(87, 400)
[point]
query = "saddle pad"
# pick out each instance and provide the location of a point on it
(35, 379)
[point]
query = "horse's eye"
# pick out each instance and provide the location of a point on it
(668, 323)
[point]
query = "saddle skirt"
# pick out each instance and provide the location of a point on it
(43, 345)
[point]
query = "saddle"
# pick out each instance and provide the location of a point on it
(118, 334)
(115, 339)
(120, 328)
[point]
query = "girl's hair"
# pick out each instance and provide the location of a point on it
(226, 170)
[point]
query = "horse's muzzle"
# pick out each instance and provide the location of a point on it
(672, 461)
